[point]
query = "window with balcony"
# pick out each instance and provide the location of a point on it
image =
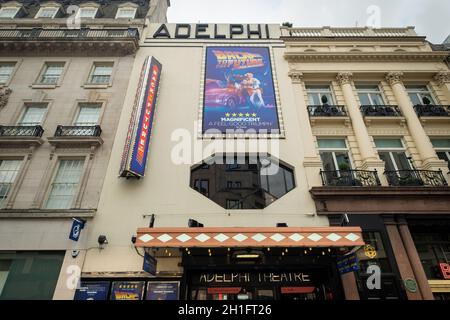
(393, 153)
(370, 95)
(316, 95)
(47, 12)
(9, 169)
(88, 115)
(417, 94)
(51, 73)
(8, 12)
(101, 73)
(33, 115)
(251, 183)
(126, 13)
(442, 147)
(65, 184)
(6, 70)
(334, 154)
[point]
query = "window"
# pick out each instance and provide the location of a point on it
(101, 73)
(65, 184)
(126, 13)
(316, 93)
(334, 154)
(47, 12)
(8, 12)
(52, 73)
(392, 152)
(442, 147)
(33, 115)
(88, 115)
(88, 13)
(255, 185)
(202, 186)
(9, 170)
(418, 93)
(369, 95)
(6, 70)
(29, 275)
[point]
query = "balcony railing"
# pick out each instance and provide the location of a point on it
(416, 178)
(21, 131)
(85, 33)
(429, 110)
(78, 131)
(327, 111)
(380, 111)
(350, 178)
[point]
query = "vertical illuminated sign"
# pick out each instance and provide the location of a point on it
(134, 157)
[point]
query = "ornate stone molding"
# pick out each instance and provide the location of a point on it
(4, 96)
(296, 76)
(344, 78)
(433, 56)
(394, 77)
(442, 77)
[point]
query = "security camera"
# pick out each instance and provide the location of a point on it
(75, 253)
(133, 239)
(102, 240)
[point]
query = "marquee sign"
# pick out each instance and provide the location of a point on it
(134, 157)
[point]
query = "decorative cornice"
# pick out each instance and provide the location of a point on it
(394, 77)
(4, 96)
(296, 76)
(442, 77)
(433, 56)
(344, 78)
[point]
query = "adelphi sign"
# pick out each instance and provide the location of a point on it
(214, 31)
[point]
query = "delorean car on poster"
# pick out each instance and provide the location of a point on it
(239, 91)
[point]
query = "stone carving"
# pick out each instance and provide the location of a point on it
(4, 96)
(344, 78)
(296, 76)
(442, 78)
(394, 77)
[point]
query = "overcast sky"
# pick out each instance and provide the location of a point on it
(430, 17)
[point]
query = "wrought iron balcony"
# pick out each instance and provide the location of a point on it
(78, 131)
(416, 178)
(380, 111)
(349, 178)
(21, 131)
(327, 111)
(430, 110)
(108, 41)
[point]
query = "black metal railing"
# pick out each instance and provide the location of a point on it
(415, 178)
(78, 131)
(350, 178)
(431, 110)
(327, 111)
(21, 131)
(83, 33)
(380, 111)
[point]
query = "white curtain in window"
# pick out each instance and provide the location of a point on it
(8, 173)
(65, 184)
(6, 70)
(33, 116)
(88, 115)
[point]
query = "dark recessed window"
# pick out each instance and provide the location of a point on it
(243, 182)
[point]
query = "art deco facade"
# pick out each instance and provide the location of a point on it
(64, 74)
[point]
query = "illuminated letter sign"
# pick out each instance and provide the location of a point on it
(445, 270)
(134, 157)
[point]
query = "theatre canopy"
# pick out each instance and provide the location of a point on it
(249, 237)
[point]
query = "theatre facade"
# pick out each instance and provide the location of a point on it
(259, 162)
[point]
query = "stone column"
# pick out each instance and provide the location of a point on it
(429, 158)
(401, 257)
(443, 80)
(349, 286)
(369, 155)
(311, 161)
(414, 259)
